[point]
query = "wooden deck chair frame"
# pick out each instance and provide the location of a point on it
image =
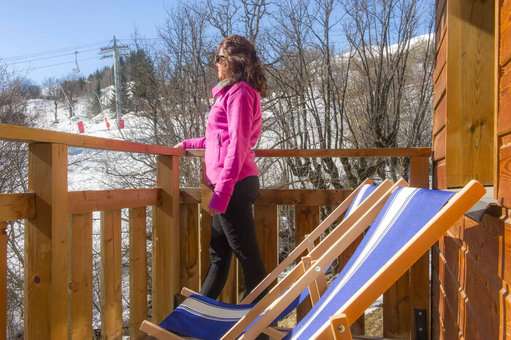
(401, 261)
(380, 194)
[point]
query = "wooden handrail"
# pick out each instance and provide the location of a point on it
(352, 153)
(31, 135)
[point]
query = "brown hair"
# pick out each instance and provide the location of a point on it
(243, 62)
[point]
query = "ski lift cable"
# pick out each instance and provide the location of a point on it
(52, 57)
(51, 52)
(63, 63)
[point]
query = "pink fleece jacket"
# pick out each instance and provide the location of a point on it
(234, 126)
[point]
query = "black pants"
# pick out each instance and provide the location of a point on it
(234, 231)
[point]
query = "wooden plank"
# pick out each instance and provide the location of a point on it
(439, 143)
(396, 309)
(440, 88)
(504, 114)
(31, 135)
(504, 184)
(419, 272)
(439, 117)
(504, 292)
(439, 175)
(441, 26)
(483, 277)
(441, 58)
(17, 206)
(371, 152)
(3, 280)
(111, 294)
(102, 200)
(166, 239)
(190, 246)
(81, 276)
(306, 219)
(46, 245)
(266, 221)
(470, 92)
(138, 271)
(505, 32)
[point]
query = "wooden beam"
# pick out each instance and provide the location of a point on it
(16, 206)
(351, 153)
(81, 276)
(111, 293)
(138, 271)
(31, 135)
(3, 281)
(103, 200)
(166, 239)
(46, 245)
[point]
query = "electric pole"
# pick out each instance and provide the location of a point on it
(114, 51)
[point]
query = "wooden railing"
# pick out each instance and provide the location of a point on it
(58, 238)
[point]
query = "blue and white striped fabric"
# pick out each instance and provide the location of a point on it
(204, 318)
(406, 212)
(362, 194)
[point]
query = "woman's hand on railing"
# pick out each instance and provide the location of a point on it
(180, 146)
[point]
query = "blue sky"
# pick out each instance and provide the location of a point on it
(39, 30)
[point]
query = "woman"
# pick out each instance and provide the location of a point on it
(234, 126)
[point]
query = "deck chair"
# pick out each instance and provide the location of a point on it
(409, 223)
(197, 307)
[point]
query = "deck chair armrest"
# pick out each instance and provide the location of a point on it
(187, 292)
(158, 332)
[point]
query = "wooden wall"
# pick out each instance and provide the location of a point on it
(471, 297)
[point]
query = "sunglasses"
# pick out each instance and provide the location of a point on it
(219, 58)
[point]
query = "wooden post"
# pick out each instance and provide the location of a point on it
(419, 273)
(111, 294)
(3, 280)
(190, 246)
(138, 271)
(306, 219)
(46, 245)
(266, 221)
(166, 250)
(81, 276)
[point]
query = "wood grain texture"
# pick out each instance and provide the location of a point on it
(81, 276)
(166, 239)
(439, 118)
(504, 179)
(306, 219)
(16, 206)
(137, 271)
(47, 237)
(505, 32)
(470, 91)
(31, 135)
(266, 221)
(102, 200)
(504, 114)
(111, 293)
(190, 252)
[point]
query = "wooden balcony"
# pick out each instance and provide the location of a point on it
(58, 239)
